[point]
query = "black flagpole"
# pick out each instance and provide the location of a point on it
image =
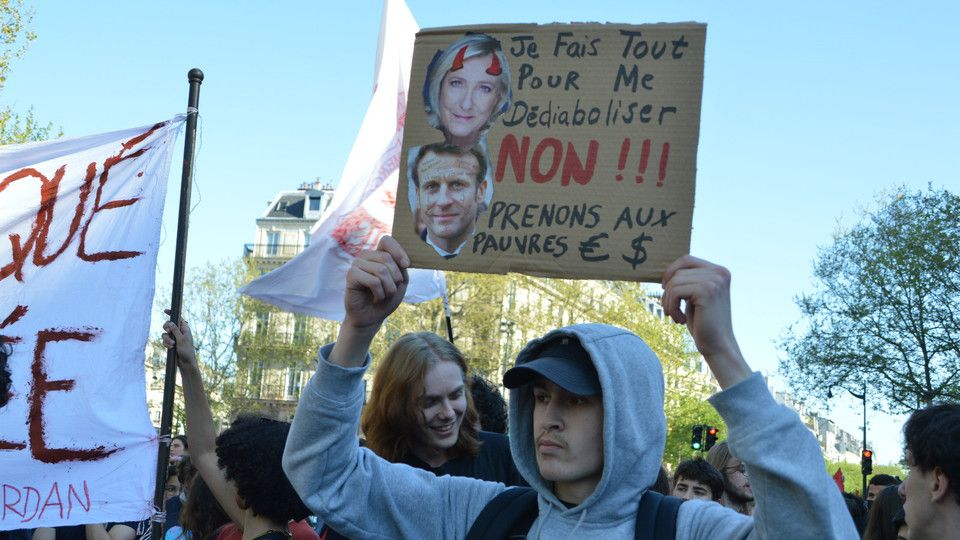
(195, 77)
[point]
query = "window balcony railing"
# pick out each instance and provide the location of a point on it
(280, 251)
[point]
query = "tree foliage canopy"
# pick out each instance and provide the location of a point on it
(886, 312)
(15, 37)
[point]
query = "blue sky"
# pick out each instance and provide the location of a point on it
(809, 109)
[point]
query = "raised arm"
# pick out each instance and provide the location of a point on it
(783, 459)
(350, 488)
(705, 287)
(200, 430)
(376, 283)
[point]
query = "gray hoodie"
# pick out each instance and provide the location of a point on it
(363, 496)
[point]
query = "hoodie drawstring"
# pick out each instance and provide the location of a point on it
(541, 520)
(583, 515)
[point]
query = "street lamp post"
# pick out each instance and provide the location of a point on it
(862, 397)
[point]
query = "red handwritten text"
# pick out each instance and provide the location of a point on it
(41, 387)
(548, 158)
(36, 240)
(29, 503)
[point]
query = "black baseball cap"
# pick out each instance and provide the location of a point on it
(564, 362)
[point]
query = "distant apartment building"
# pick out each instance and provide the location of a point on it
(837, 444)
(283, 230)
(273, 359)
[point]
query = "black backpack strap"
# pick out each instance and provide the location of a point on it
(657, 516)
(509, 514)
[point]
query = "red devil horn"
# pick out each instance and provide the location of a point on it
(458, 60)
(494, 68)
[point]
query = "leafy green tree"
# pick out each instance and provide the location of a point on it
(211, 307)
(852, 477)
(241, 343)
(886, 312)
(14, 40)
(685, 410)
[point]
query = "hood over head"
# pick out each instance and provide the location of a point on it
(634, 424)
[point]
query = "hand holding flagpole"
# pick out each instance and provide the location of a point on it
(195, 78)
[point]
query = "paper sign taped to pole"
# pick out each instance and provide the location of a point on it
(561, 150)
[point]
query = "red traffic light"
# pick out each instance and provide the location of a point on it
(866, 461)
(712, 433)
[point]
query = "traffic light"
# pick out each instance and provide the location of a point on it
(697, 441)
(866, 462)
(712, 433)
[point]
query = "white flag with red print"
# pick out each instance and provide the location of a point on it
(362, 208)
(79, 231)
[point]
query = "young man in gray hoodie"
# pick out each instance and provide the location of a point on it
(587, 435)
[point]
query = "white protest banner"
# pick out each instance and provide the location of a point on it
(362, 209)
(79, 230)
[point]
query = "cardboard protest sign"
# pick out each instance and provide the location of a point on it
(79, 231)
(563, 150)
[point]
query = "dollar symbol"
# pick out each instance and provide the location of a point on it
(640, 252)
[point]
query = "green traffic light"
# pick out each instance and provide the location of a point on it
(696, 446)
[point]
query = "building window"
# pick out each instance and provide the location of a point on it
(315, 204)
(254, 379)
(293, 383)
(263, 323)
(300, 328)
(306, 239)
(273, 242)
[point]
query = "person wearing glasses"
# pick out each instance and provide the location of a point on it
(737, 493)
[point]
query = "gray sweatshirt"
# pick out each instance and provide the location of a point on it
(363, 496)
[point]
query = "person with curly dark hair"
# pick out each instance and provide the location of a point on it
(250, 453)
(242, 467)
